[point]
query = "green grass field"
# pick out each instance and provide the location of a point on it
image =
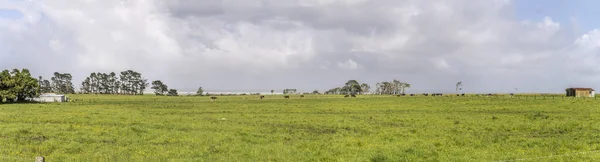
(316, 128)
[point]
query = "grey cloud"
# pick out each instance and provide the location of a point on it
(258, 45)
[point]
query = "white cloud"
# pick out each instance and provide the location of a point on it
(348, 65)
(267, 44)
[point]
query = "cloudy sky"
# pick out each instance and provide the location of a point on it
(259, 45)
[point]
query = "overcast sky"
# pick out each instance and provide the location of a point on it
(259, 45)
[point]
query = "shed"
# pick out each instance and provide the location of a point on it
(580, 92)
(50, 97)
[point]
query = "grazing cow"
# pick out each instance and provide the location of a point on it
(286, 97)
(489, 94)
(436, 94)
(462, 94)
(511, 94)
(262, 96)
(412, 94)
(403, 94)
(346, 96)
(353, 95)
(212, 98)
(425, 94)
(397, 95)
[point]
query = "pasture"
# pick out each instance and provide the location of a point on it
(315, 128)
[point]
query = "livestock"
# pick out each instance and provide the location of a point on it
(301, 96)
(425, 94)
(262, 96)
(286, 97)
(353, 95)
(412, 94)
(462, 94)
(346, 96)
(212, 98)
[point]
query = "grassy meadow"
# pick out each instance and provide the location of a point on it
(316, 128)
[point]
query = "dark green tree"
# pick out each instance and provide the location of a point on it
(132, 83)
(172, 92)
(159, 87)
(61, 83)
(18, 85)
(45, 85)
(352, 87)
(200, 91)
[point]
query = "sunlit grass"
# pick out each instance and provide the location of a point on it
(315, 128)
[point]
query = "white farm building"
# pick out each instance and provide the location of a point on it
(50, 97)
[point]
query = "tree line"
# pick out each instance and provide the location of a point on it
(393, 87)
(128, 82)
(18, 85)
(350, 87)
(59, 83)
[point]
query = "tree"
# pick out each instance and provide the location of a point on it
(458, 86)
(405, 85)
(128, 82)
(391, 88)
(272, 91)
(200, 91)
(172, 92)
(132, 83)
(365, 87)
(385, 88)
(336, 90)
(45, 86)
(18, 85)
(315, 92)
(159, 87)
(113, 83)
(86, 87)
(397, 86)
(61, 83)
(352, 87)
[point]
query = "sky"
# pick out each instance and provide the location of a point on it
(492, 46)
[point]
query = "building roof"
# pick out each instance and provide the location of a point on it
(582, 89)
(51, 95)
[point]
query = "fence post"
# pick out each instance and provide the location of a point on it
(39, 159)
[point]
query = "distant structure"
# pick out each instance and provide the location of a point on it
(580, 92)
(289, 91)
(50, 97)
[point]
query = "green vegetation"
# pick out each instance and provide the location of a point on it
(17, 85)
(129, 82)
(316, 128)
